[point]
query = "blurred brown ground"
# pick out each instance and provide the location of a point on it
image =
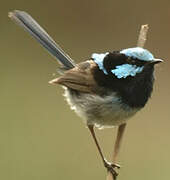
(40, 138)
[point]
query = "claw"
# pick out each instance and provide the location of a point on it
(115, 166)
(110, 167)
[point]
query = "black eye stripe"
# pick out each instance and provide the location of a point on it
(112, 60)
(135, 61)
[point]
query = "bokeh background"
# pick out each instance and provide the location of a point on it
(40, 137)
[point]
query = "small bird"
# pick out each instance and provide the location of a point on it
(105, 90)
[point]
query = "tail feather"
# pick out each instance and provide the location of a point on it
(24, 20)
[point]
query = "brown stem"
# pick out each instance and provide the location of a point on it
(142, 35)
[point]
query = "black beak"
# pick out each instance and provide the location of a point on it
(155, 61)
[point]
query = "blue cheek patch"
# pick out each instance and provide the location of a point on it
(122, 71)
(98, 59)
(139, 53)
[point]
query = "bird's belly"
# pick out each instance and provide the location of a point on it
(100, 111)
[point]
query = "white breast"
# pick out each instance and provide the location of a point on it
(99, 111)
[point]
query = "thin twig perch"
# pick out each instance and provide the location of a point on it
(142, 35)
(140, 43)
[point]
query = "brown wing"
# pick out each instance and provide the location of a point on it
(79, 78)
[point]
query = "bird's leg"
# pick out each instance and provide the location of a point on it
(119, 137)
(109, 166)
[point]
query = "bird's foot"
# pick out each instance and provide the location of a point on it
(111, 168)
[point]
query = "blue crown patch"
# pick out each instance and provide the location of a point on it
(139, 53)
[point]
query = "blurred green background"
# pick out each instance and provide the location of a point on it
(40, 137)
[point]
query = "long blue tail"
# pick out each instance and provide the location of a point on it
(24, 20)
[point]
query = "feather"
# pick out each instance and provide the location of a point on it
(24, 20)
(79, 78)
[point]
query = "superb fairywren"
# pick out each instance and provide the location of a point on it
(105, 90)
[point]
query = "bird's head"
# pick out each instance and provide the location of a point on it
(125, 63)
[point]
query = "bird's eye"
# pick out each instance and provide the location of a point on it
(130, 61)
(133, 61)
